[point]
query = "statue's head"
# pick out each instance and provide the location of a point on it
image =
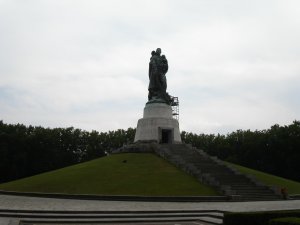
(158, 51)
(153, 53)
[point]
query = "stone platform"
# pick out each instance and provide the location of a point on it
(158, 125)
(18, 210)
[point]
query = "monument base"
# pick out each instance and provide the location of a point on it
(158, 125)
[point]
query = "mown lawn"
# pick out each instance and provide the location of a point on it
(142, 174)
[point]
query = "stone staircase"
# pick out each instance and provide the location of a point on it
(33, 217)
(216, 173)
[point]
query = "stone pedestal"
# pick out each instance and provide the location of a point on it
(158, 125)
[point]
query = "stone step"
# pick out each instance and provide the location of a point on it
(236, 182)
(67, 217)
(195, 220)
(252, 191)
(211, 220)
(110, 215)
(210, 165)
(258, 193)
(254, 198)
(250, 187)
(231, 178)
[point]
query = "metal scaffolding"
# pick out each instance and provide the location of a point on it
(175, 108)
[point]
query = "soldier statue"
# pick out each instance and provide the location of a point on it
(158, 67)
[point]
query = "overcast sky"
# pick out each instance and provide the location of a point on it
(233, 64)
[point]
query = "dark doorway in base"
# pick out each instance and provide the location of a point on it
(166, 136)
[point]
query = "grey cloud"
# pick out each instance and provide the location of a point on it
(233, 64)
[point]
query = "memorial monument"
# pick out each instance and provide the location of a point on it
(158, 124)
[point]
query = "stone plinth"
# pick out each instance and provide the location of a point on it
(158, 125)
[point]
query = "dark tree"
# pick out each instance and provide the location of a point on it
(276, 150)
(26, 151)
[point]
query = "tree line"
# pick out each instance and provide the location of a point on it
(275, 150)
(29, 150)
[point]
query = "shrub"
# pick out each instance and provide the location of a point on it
(257, 218)
(285, 221)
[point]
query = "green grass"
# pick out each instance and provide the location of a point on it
(143, 174)
(285, 221)
(293, 187)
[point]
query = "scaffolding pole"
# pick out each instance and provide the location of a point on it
(175, 108)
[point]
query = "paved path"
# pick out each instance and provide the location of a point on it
(156, 223)
(37, 203)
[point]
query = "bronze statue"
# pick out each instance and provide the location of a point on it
(158, 67)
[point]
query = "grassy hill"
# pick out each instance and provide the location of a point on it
(142, 174)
